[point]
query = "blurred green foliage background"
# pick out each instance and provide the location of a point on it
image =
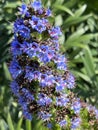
(79, 22)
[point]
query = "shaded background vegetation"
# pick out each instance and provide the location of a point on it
(79, 22)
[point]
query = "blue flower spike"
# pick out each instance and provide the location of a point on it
(42, 82)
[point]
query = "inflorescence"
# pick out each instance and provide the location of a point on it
(42, 82)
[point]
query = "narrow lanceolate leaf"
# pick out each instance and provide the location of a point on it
(76, 35)
(3, 125)
(28, 125)
(75, 44)
(12, 4)
(80, 11)
(19, 125)
(89, 63)
(64, 8)
(88, 56)
(83, 76)
(74, 20)
(10, 123)
(70, 3)
(6, 71)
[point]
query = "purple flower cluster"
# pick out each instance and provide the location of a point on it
(41, 79)
(38, 24)
(75, 123)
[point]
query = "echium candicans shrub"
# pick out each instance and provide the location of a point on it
(42, 82)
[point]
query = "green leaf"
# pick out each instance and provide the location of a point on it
(3, 125)
(74, 20)
(75, 44)
(28, 125)
(19, 124)
(10, 123)
(6, 71)
(80, 11)
(12, 4)
(83, 76)
(58, 20)
(64, 8)
(76, 35)
(71, 3)
(89, 63)
(86, 38)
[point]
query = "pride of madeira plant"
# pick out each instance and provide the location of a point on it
(42, 82)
